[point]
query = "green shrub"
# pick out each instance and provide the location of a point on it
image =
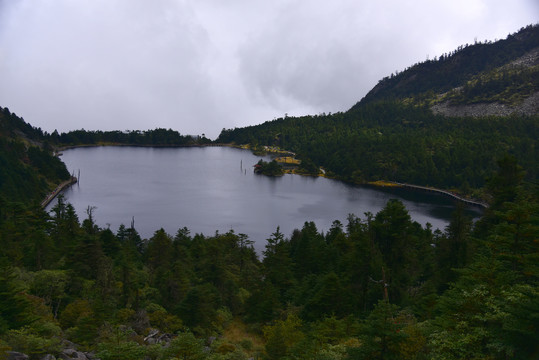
(121, 351)
(27, 341)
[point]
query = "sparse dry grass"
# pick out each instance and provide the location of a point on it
(288, 160)
(384, 183)
(236, 333)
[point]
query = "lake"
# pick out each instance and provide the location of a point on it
(209, 189)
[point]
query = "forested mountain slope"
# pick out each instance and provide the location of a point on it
(394, 134)
(28, 170)
(504, 72)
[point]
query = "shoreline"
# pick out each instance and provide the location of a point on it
(68, 147)
(51, 196)
(384, 183)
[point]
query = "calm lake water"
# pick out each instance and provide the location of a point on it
(209, 189)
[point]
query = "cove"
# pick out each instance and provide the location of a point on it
(209, 189)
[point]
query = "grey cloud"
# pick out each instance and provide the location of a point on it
(111, 63)
(328, 57)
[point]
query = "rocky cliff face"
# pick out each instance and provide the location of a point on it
(484, 79)
(529, 106)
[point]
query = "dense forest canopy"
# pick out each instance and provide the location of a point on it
(379, 286)
(403, 143)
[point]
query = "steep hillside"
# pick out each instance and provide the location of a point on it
(28, 170)
(483, 79)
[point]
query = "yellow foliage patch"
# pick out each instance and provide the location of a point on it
(384, 183)
(288, 160)
(236, 333)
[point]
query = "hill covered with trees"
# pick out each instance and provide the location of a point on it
(398, 131)
(28, 169)
(471, 74)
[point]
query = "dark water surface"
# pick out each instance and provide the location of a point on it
(209, 189)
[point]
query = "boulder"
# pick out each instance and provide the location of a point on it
(156, 337)
(151, 339)
(70, 354)
(164, 338)
(48, 357)
(91, 356)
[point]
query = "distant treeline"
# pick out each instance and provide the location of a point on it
(156, 137)
(12, 125)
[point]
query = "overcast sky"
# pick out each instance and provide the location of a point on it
(198, 66)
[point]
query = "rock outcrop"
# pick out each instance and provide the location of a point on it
(529, 106)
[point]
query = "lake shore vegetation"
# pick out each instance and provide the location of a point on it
(268, 168)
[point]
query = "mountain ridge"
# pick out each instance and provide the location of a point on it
(493, 66)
